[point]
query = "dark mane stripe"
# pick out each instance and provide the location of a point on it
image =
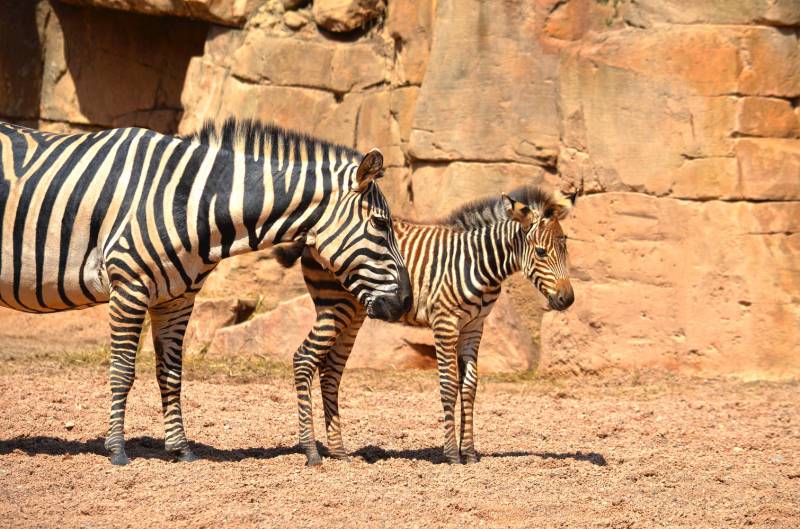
(489, 210)
(226, 132)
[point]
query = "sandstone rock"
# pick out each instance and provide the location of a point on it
(228, 96)
(772, 67)
(294, 20)
(770, 12)
(209, 315)
(278, 334)
(20, 60)
(285, 61)
(225, 12)
(559, 21)
(699, 288)
(767, 117)
(84, 57)
(342, 16)
(612, 95)
(410, 23)
(378, 128)
(770, 168)
(490, 96)
(459, 182)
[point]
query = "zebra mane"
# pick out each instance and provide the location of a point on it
(235, 132)
(490, 210)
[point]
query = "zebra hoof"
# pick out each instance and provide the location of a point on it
(453, 460)
(184, 455)
(119, 459)
(341, 457)
(470, 459)
(313, 460)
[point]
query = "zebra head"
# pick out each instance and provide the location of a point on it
(544, 252)
(356, 242)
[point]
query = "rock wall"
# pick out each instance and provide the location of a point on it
(681, 118)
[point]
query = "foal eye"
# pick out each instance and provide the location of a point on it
(541, 252)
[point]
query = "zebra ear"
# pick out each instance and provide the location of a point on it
(519, 212)
(370, 168)
(564, 200)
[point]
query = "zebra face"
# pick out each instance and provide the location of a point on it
(546, 263)
(544, 251)
(358, 245)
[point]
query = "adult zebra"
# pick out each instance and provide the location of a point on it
(456, 267)
(139, 219)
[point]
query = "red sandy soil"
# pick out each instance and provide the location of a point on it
(649, 450)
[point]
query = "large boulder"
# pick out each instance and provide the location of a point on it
(507, 346)
(342, 16)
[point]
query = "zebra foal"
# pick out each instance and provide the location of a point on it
(138, 220)
(456, 267)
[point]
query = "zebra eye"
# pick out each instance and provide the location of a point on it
(541, 253)
(380, 223)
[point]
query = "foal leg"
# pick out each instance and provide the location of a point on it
(330, 378)
(168, 323)
(445, 335)
(469, 343)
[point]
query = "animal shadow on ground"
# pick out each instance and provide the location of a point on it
(136, 447)
(372, 453)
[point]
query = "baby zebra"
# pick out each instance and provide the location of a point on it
(456, 267)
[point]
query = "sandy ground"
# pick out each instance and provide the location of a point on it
(629, 451)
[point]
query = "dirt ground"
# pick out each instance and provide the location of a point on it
(641, 450)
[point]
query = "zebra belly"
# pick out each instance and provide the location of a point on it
(77, 286)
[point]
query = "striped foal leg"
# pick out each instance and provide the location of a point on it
(320, 340)
(168, 323)
(330, 377)
(127, 309)
(468, 345)
(445, 335)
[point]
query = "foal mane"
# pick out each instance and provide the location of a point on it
(490, 210)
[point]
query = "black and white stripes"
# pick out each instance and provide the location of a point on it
(456, 267)
(139, 220)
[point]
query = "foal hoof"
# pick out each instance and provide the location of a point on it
(313, 460)
(119, 458)
(341, 457)
(470, 459)
(184, 455)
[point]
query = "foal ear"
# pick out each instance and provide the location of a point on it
(370, 168)
(565, 200)
(519, 212)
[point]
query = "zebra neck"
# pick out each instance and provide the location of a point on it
(251, 205)
(497, 249)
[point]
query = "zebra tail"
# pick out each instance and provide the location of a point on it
(288, 254)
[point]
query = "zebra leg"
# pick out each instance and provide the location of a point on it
(168, 323)
(127, 309)
(469, 343)
(445, 336)
(330, 378)
(319, 342)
